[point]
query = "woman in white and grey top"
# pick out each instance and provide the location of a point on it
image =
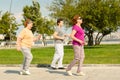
(59, 37)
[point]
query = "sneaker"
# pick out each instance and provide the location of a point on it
(21, 73)
(25, 72)
(69, 73)
(54, 68)
(81, 74)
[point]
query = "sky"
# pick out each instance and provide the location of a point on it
(17, 7)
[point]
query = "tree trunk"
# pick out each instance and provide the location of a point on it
(90, 39)
(98, 39)
(44, 40)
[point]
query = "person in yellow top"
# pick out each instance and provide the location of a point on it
(24, 44)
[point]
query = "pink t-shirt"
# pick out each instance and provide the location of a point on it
(79, 34)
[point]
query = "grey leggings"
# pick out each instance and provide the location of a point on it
(27, 57)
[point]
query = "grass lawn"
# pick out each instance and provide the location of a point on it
(103, 54)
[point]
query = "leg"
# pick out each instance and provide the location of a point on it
(76, 57)
(80, 62)
(56, 56)
(61, 55)
(27, 58)
(71, 65)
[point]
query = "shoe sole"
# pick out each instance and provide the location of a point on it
(53, 68)
(69, 74)
(22, 73)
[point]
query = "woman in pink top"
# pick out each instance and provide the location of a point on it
(78, 45)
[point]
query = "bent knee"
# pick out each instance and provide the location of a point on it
(29, 57)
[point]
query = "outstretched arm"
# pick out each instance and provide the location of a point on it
(37, 38)
(58, 37)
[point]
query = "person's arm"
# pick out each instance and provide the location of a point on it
(67, 35)
(74, 38)
(18, 43)
(57, 37)
(19, 39)
(37, 38)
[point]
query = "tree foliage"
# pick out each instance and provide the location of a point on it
(41, 24)
(33, 12)
(8, 26)
(101, 16)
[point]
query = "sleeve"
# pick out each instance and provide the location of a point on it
(22, 34)
(56, 29)
(74, 28)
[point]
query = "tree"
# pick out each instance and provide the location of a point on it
(41, 24)
(63, 9)
(101, 16)
(46, 27)
(5, 22)
(33, 12)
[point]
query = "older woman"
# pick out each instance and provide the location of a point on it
(24, 43)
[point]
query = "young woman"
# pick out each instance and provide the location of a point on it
(78, 45)
(59, 50)
(24, 43)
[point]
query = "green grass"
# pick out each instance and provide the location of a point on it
(103, 54)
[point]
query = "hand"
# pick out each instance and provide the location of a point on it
(85, 43)
(67, 35)
(18, 48)
(81, 42)
(39, 36)
(62, 38)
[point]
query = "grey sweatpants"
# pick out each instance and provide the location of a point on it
(27, 57)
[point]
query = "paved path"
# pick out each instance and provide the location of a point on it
(39, 73)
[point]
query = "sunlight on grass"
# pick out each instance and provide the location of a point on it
(103, 54)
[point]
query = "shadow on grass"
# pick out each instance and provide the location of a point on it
(86, 47)
(93, 47)
(68, 47)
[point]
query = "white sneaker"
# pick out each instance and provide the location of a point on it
(81, 74)
(21, 72)
(25, 72)
(69, 73)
